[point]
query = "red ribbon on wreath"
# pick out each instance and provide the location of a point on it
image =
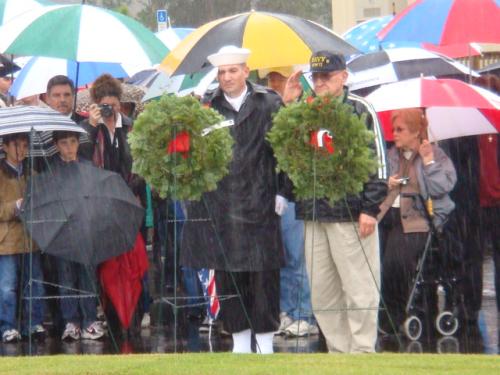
(179, 144)
(322, 139)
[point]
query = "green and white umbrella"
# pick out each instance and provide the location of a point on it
(180, 85)
(82, 33)
(10, 9)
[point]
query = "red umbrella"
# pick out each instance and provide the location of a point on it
(121, 280)
(454, 108)
(446, 26)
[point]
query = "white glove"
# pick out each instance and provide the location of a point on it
(280, 205)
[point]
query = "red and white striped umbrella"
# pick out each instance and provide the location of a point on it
(454, 108)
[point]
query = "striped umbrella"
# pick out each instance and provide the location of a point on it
(10, 9)
(180, 85)
(40, 120)
(274, 39)
(81, 33)
(446, 26)
(454, 108)
(398, 64)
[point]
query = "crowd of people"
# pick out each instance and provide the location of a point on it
(291, 266)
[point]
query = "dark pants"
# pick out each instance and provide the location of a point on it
(72, 275)
(491, 218)
(401, 253)
(260, 296)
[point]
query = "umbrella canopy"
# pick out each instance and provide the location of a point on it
(363, 36)
(10, 9)
(7, 66)
(173, 35)
(33, 78)
(274, 40)
(84, 33)
(398, 64)
(121, 280)
(453, 108)
(82, 213)
(130, 94)
(454, 24)
(181, 85)
(24, 119)
(491, 69)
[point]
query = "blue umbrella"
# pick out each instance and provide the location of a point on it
(33, 78)
(363, 36)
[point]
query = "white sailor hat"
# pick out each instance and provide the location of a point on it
(229, 55)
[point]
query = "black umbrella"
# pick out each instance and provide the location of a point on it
(7, 66)
(397, 64)
(81, 213)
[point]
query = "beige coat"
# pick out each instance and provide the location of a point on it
(13, 239)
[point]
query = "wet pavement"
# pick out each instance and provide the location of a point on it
(161, 337)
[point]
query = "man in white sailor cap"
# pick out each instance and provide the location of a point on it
(242, 240)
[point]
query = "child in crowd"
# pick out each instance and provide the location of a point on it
(15, 247)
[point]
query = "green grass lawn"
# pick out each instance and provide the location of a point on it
(226, 363)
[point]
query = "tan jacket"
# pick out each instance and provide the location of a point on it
(13, 239)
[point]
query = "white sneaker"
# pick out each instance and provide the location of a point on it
(93, 331)
(146, 320)
(301, 328)
(11, 335)
(285, 321)
(71, 331)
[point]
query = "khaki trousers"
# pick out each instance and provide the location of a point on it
(344, 287)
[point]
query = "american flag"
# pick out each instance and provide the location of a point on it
(207, 280)
(363, 36)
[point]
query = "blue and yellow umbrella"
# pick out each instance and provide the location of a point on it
(274, 39)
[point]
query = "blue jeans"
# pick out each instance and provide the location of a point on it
(11, 267)
(80, 311)
(295, 295)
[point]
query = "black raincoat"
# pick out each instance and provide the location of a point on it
(235, 227)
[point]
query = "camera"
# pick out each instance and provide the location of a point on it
(106, 110)
(404, 180)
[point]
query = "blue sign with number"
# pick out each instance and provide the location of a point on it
(161, 16)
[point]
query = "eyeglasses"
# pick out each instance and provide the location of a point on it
(398, 129)
(324, 76)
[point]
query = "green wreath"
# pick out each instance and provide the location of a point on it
(314, 170)
(171, 170)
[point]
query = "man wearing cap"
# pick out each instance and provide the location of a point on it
(343, 262)
(241, 239)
